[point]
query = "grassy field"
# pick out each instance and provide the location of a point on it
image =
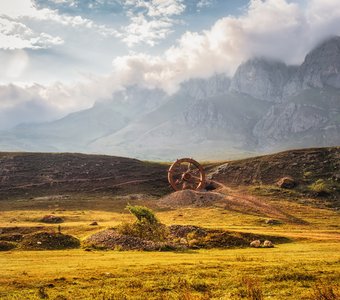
(290, 271)
(306, 268)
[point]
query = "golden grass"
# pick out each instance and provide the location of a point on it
(288, 271)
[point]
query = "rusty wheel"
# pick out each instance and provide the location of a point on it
(186, 173)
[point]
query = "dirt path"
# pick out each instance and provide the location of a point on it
(231, 199)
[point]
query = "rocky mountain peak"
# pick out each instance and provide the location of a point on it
(321, 68)
(322, 65)
(261, 78)
(199, 88)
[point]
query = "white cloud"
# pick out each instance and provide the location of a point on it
(140, 30)
(276, 29)
(150, 21)
(273, 28)
(16, 33)
(204, 3)
(36, 103)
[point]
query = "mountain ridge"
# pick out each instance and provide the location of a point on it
(266, 106)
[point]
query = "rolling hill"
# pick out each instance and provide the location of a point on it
(25, 175)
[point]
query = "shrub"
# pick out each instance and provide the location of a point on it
(146, 227)
(320, 187)
(143, 214)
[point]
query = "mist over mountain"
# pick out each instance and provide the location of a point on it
(266, 106)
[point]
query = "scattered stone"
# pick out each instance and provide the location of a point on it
(94, 223)
(111, 239)
(180, 237)
(255, 244)
(268, 244)
(273, 222)
(51, 219)
(286, 183)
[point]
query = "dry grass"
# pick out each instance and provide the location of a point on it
(288, 271)
(210, 274)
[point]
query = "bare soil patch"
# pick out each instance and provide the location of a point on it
(229, 199)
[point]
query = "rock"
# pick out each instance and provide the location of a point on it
(94, 223)
(321, 68)
(262, 79)
(255, 244)
(286, 120)
(273, 222)
(205, 88)
(268, 244)
(286, 183)
(51, 219)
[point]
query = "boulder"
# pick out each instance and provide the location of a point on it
(286, 183)
(267, 244)
(255, 244)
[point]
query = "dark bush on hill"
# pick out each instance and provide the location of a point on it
(6, 246)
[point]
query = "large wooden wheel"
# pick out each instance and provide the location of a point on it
(186, 174)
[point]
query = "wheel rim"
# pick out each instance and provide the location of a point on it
(186, 173)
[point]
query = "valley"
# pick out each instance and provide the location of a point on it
(90, 193)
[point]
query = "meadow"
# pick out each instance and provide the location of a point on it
(308, 267)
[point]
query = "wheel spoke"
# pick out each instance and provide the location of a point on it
(186, 173)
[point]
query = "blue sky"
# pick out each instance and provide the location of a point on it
(83, 36)
(60, 56)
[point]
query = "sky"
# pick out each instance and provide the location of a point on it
(61, 56)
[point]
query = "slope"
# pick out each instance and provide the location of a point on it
(210, 128)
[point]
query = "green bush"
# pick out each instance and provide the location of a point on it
(146, 227)
(320, 186)
(143, 214)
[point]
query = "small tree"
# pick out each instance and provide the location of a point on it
(143, 214)
(147, 225)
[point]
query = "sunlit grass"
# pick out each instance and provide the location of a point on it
(287, 271)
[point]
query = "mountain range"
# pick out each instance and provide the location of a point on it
(266, 106)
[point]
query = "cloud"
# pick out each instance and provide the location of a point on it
(37, 103)
(150, 21)
(15, 35)
(203, 3)
(277, 29)
(18, 16)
